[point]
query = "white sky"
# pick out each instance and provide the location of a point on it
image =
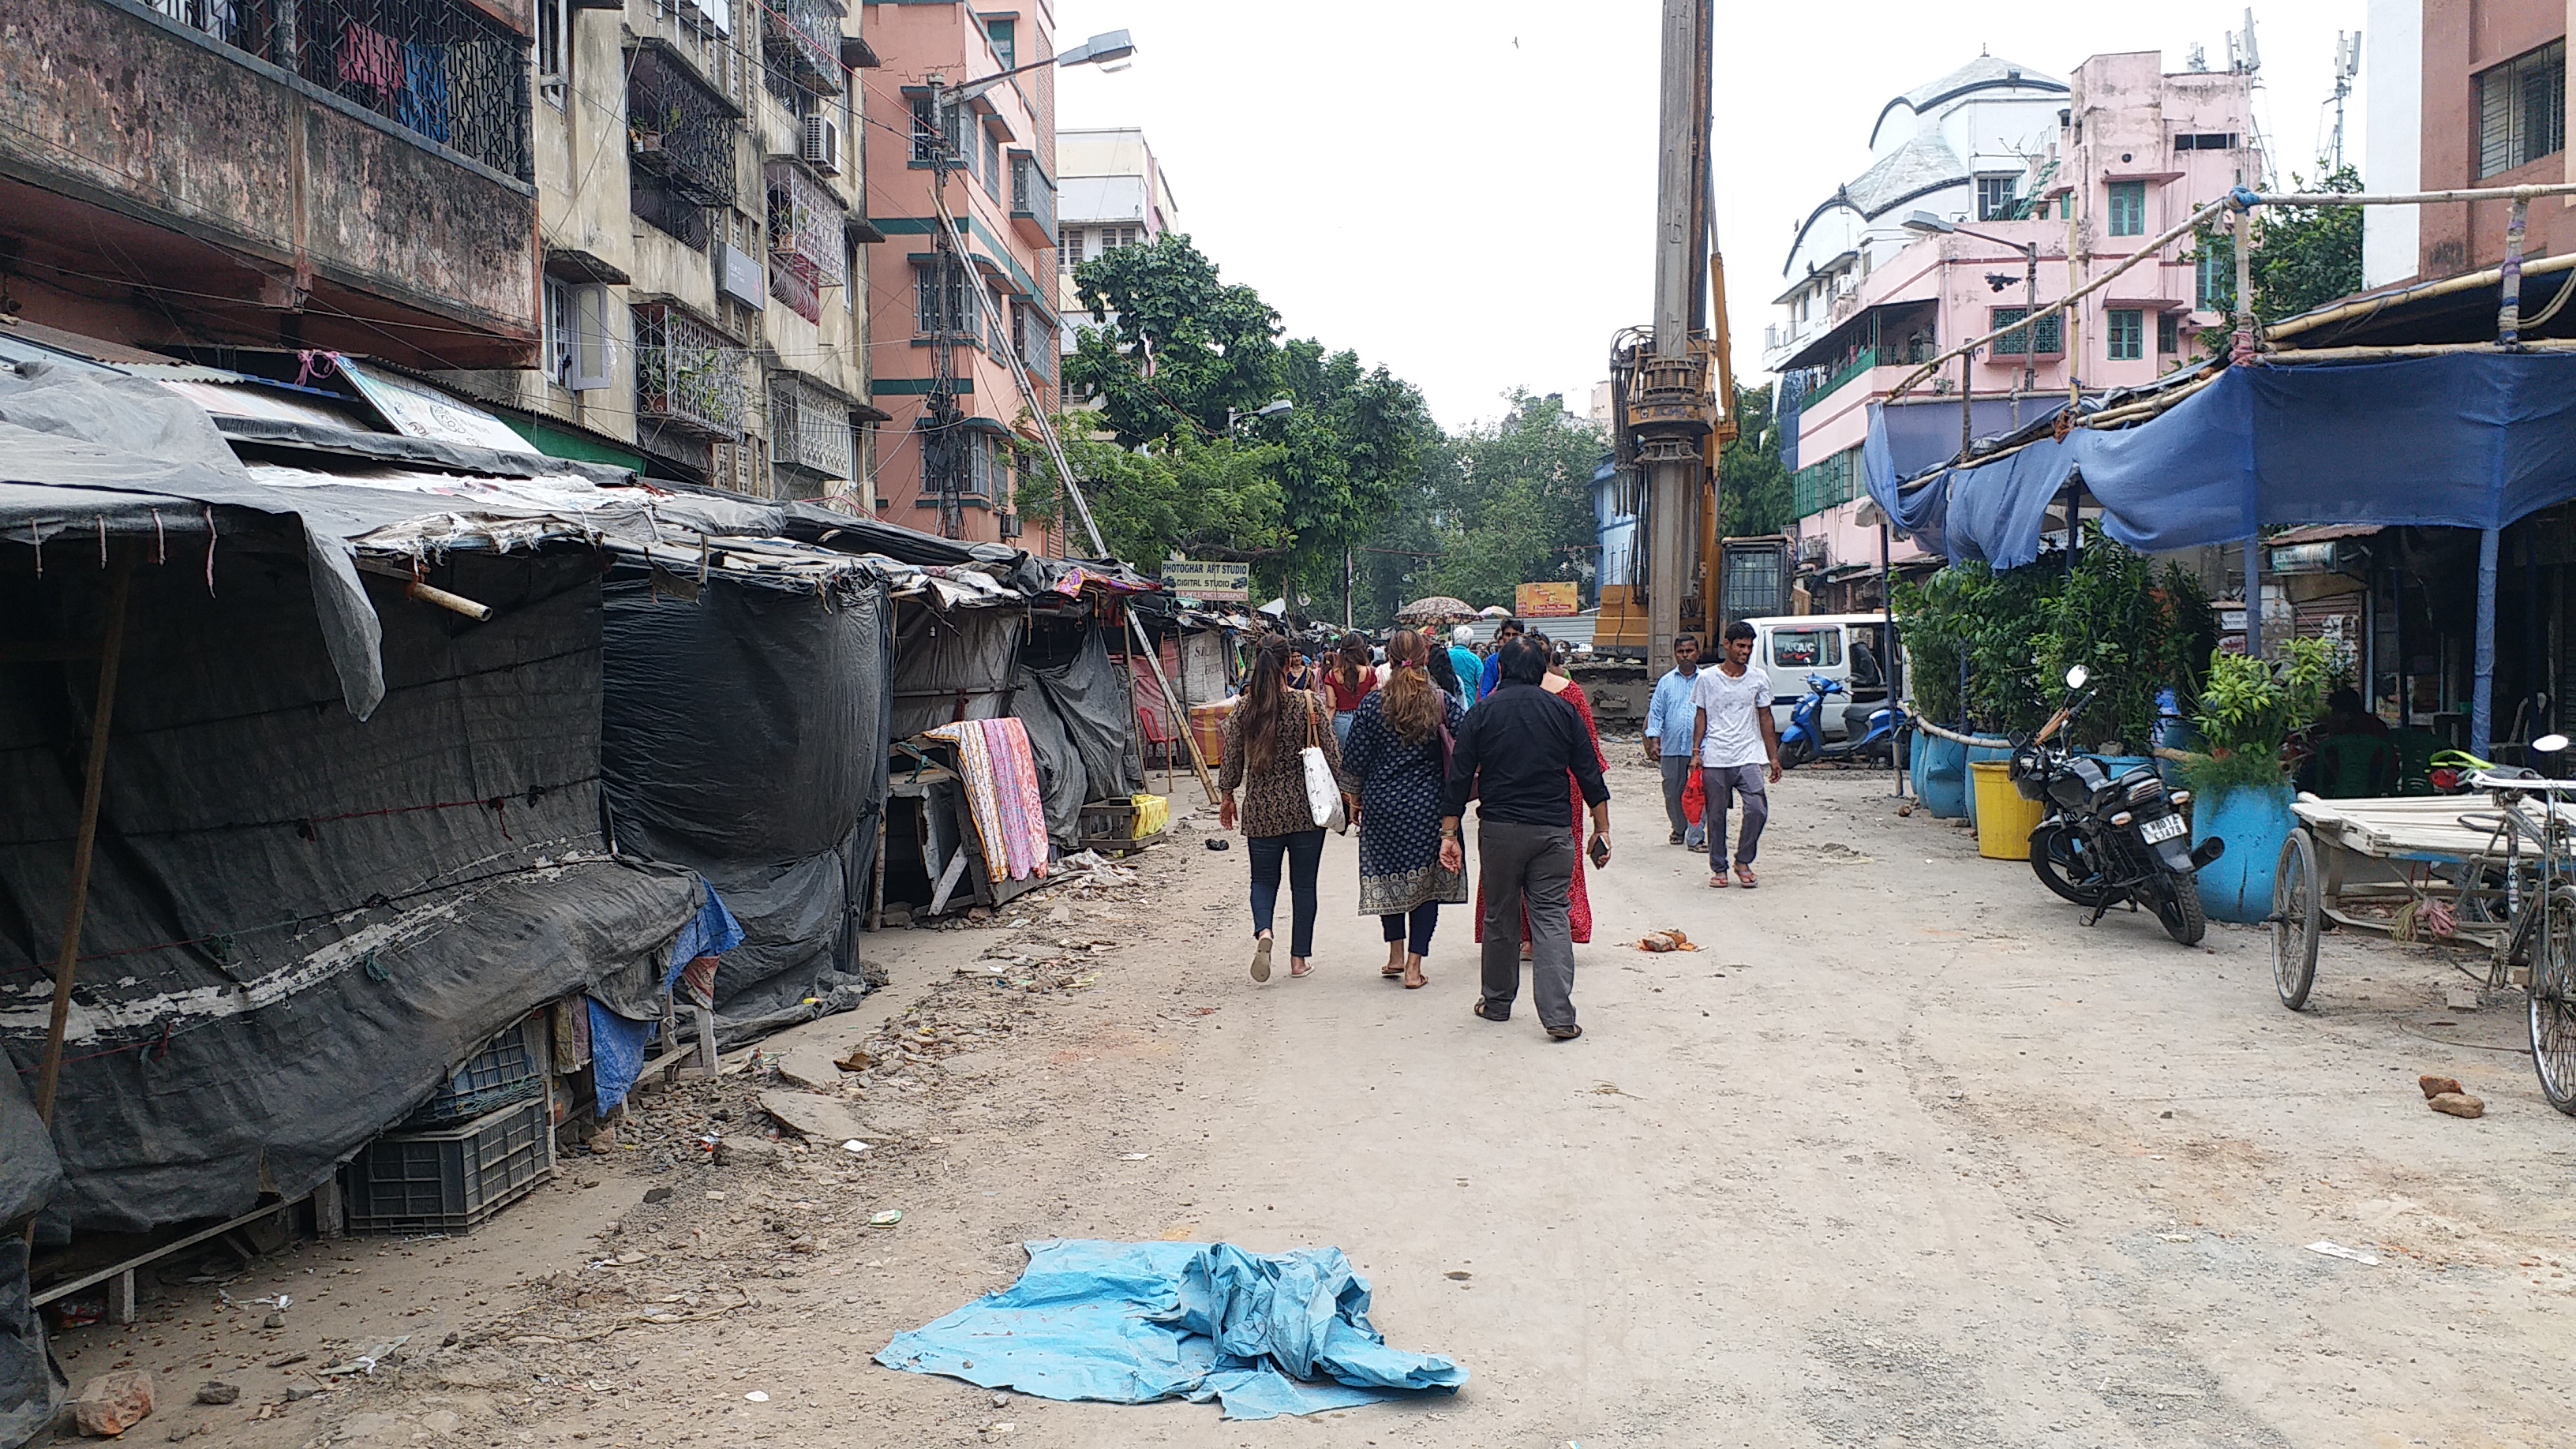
(1466, 191)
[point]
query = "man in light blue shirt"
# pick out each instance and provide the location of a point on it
(1670, 717)
(1471, 670)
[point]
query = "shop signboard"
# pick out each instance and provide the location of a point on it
(1546, 601)
(1225, 583)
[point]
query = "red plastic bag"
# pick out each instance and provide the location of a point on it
(1695, 797)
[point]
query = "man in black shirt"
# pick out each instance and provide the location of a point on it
(1513, 753)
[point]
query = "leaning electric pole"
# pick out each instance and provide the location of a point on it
(1671, 422)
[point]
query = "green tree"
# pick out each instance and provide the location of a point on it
(2303, 258)
(1509, 503)
(1753, 481)
(1218, 499)
(1171, 347)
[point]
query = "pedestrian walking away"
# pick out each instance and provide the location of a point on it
(1444, 671)
(1739, 751)
(1399, 757)
(1263, 738)
(1513, 753)
(1351, 679)
(1578, 898)
(1671, 724)
(1490, 677)
(1463, 661)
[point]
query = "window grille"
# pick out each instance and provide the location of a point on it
(1995, 200)
(939, 308)
(927, 135)
(809, 432)
(805, 228)
(1068, 254)
(802, 39)
(2522, 110)
(2168, 334)
(680, 142)
(2128, 208)
(685, 375)
(2215, 281)
(1834, 481)
(2051, 337)
(554, 36)
(246, 25)
(1032, 194)
(2126, 334)
(439, 67)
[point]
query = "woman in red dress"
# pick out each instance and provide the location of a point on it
(1578, 900)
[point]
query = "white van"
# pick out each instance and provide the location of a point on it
(1789, 647)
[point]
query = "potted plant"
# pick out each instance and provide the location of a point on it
(2248, 710)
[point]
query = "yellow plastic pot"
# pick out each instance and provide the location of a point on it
(2004, 819)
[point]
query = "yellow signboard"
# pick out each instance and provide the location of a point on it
(1547, 601)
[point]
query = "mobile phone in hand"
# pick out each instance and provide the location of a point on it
(1600, 851)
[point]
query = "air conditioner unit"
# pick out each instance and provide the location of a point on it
(1010, 524)
(823, 144)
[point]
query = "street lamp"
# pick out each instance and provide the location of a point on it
(1271, 409)
(1924, 223)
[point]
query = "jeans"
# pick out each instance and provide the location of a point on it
(1676, 780)
(1414, 930)
(1724, 784)
(1305, 852)
(1530, 865)
(1342, 727)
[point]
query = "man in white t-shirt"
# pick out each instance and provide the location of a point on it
(1738, 749)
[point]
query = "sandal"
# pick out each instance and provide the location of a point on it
(1718, 882)
(1482, 1014)
(1563, 1033)
(1261, 959)
(1414, 980)
(1294, 969)
(1744, 874)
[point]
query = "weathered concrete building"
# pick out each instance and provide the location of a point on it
(2461, 95)
(197, 172)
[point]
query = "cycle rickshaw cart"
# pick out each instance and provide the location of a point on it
(2497, 872)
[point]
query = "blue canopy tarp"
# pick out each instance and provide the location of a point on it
(2470, 440)
(1129, 1323)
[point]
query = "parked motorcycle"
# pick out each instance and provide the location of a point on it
(1804, 740)
(2105, 840)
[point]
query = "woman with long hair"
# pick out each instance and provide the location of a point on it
(1263, 736)
(1353, 679)
(1442, 669)
(1399, 757)
(1578, 900)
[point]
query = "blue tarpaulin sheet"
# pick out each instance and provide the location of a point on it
(1264, 1334)
(617, 1042)
(2470, 440)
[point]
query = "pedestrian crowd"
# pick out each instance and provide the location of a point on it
(1397, 742)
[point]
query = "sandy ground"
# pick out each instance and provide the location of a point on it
(1906, 1156)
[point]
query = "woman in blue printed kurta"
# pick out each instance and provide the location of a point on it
(1399, 755)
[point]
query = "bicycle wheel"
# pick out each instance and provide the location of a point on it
(2553, 1002)
(2298, 916)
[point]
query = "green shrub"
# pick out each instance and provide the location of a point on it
(2248, 710)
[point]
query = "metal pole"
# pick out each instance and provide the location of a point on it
(2509, 315)
(2254, 597)
(111, 655)
(1680, 241)
(2482, 693)
(1967, 419)
(2029, 305)
(2246, 346)
(2397, 605)
(1887, 640)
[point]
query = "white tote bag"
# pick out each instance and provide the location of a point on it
(1323, 792)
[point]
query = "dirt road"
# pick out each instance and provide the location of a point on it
(1906, 1155)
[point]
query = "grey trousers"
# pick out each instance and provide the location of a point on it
(1726, 787)
(1676, 780)
(1530, 865)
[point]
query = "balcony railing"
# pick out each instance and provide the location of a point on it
(1860, 362)
(686, 377)
(802, 39)
(244, 25)
(679, 134)
(809, 430)
(441, 68)
(795, 293)
(1032, 199)
(806, 224)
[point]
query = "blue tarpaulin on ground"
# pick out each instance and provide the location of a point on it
(2470, 440)
(1129, 1323)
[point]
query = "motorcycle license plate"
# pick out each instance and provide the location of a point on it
(2163, 829)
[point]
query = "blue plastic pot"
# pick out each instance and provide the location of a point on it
(2238, 885)
(1943, 785)
(2117, 765)
(1977, 753)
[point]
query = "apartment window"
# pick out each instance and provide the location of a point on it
(1020, 330)
(2522, 110)
(577, 347)
(2128, 208)
(2126, 335)
(927, 132)
(1995, 201)
(2215, 284)
(1005, 37)
(940, 304)
(1126, 236)
(554, 37)
(2205, 141)
(2168, 334)
(992, 166)
(2048, 333)
(1068, 252)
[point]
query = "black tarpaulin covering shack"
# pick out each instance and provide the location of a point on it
(299, 919)
(745, 736)
(30, 1174)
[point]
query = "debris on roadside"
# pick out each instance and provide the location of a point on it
(113, 1402)
(2435, 1086)
(2458, 1104)
(1667, 940)
(2350, 1255)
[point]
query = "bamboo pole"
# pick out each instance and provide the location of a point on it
(111, 656)
(2465, 282)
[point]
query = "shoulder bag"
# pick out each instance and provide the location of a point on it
(1323, 792)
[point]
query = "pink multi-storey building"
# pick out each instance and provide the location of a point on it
(1929, 247)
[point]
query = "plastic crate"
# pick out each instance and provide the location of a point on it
(450, 1179)
(510, 1068)
(1118, 827)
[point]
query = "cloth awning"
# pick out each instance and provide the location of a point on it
(2468, 440)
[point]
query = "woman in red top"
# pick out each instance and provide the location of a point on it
(1352, 678)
